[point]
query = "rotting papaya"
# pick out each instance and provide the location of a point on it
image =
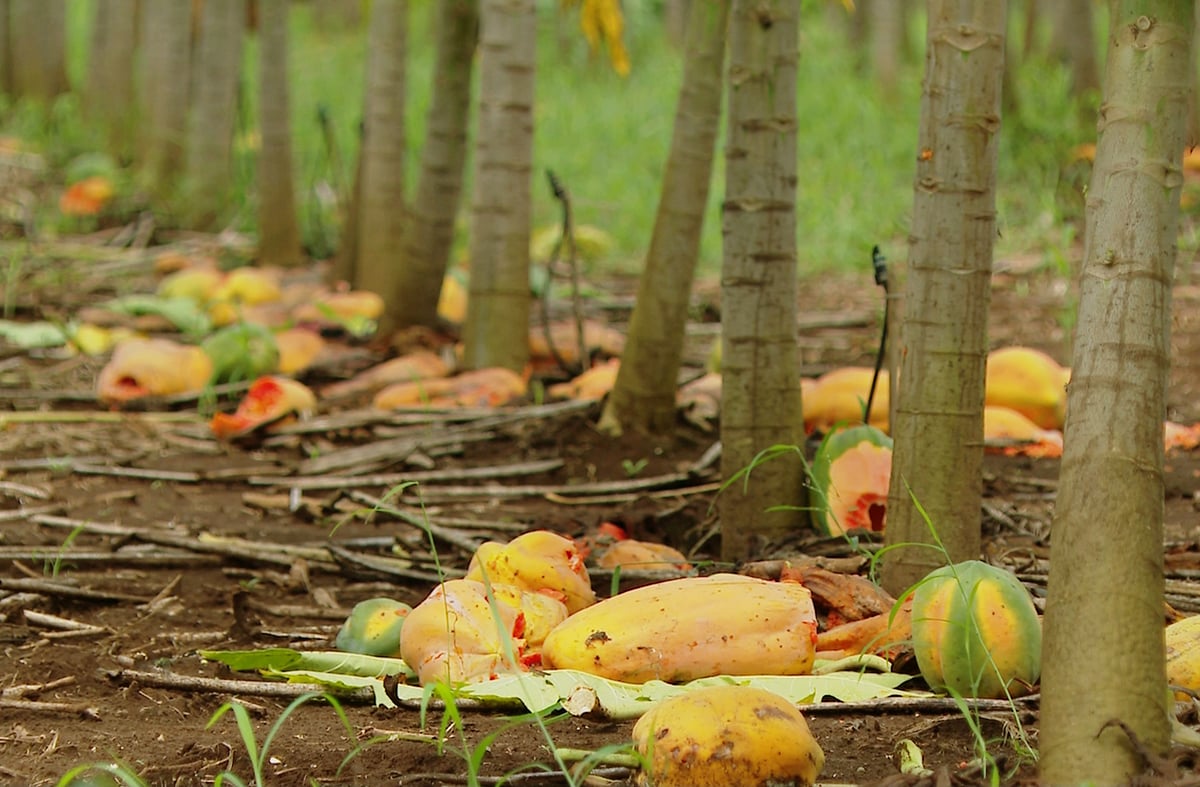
(721, 735)
(849, 477)
(839, 396)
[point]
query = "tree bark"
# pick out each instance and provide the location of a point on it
(166, 61)
(938, 426)
(1103, 627)
(886, 30)
(109, 98)
(38, 39)
(381, 200)
(497, 329)
(430, 233)
(760, 401)
(1074, 41)
(278, 229)
(643, 397)
(209, 173)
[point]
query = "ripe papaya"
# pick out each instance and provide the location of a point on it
(849, 476)
(373, 628)
(976, 632)
(839, 396)
(538, 561)
(1183, 655)
(720, 735)
(1030, 382)
(694, 627)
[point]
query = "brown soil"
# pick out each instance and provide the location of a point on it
(165, 602)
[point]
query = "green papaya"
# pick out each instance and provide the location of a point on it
(849, 479)
(373, 628)
(976, 631)
(242, 351)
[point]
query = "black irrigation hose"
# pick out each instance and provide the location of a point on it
(881, 278)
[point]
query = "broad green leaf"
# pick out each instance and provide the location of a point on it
(183, 313)
(331, 661)
(32, 334)
(540, 691)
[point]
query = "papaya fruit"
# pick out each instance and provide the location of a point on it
(694, 627)
(1030, 382)
(465, 631)
(849, 476)
(1183, 655)
(716, 736)
(373, 628)
(839, 396)
(152, 367)
(540, 562)
(270, 400)
(242, 351)
(976, 632)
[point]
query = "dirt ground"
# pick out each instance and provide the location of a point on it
(154, 541)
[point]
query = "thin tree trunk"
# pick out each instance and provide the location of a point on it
(938, 426)
(760, 404)
(1104, 637)
(38, 39)
(1074, 41)
(886, 28)
(643, 397)
(214, 112)
(381, 201)
(675, 20)
(278, 229)
(109, 97)
(166, 59)
(430, 232)
(497, 329)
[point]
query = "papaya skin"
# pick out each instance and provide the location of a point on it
(976, 632)
(721, 735)
(688, 628)
(850, 475)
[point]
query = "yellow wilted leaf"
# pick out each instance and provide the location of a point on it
(602, 22)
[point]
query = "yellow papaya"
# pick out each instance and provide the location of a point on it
(1030, 382)
(694, 627)
(716, 736)
(1183, 655)
(539, 561)
(839, 396)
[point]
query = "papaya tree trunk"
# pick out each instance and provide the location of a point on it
(166, 59)
(497, 329)
(643, 397)
(278, 228)
(430, 232)
(209, 173)
(760, 405)
(108, 94)
(1104, 618)
(381, 200)
(38, 40)
(937, 465)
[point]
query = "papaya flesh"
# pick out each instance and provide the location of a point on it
(850, 475)
(975, 631)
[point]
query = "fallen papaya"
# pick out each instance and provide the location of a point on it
(718, 736)
(538, 561)
(850, 475)
(1030, 382)
(694, 627)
